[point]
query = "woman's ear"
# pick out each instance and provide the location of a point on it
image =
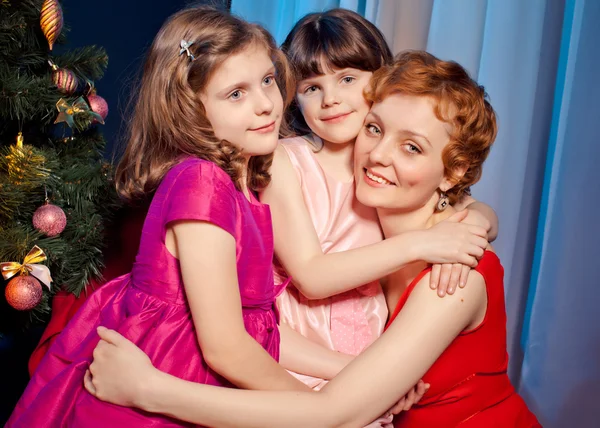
(449, 182)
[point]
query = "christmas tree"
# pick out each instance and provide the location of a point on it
(56, 190)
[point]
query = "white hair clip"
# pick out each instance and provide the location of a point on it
(185, 47)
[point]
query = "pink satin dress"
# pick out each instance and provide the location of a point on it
(149, 306)
(351, 321)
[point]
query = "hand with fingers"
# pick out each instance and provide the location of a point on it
(411, 398)
(452, 241)
(447, 277)
(119, 370)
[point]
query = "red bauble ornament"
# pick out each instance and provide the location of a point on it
(49, 219)
(98, 105)
(23, 292)
(65, 80)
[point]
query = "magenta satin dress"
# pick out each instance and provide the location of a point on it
(148, 306)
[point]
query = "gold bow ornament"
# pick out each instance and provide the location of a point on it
(29, 266)
(67, 111)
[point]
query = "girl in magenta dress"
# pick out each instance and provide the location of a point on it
(200, 297)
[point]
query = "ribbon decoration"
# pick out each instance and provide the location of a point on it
(66, 111)
(30, 265)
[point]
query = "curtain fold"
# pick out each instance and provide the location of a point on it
(561, 338)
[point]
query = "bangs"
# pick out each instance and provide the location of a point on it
(332, 43)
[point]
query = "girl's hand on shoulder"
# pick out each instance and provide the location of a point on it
(448, 276)
(119, 370)
(452, 241)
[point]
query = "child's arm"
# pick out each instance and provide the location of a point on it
(207, 256)
(319, 275)
(369, 386)
(480, 214)
(304, 356)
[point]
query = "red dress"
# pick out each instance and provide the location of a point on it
(469, 382)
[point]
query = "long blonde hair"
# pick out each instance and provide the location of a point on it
(169, 120)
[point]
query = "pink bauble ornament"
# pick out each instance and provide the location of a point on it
(98, 105)
(23, 292)
(49, 219)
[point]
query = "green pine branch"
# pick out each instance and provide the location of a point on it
(64, 165)
(89, 62)
(27, 97)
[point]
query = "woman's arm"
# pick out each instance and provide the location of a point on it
(304, 356)
(207, 257)
(366, 388)
(318, 275)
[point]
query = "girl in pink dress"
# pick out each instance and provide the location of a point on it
(316, 215)
(200, 299)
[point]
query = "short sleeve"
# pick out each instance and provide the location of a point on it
(202, 191)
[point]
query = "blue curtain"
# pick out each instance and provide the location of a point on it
(561, 339)
(280, 16)
(538, 60)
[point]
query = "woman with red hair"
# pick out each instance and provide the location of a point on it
(424, 142)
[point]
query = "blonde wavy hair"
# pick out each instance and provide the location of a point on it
(169, 121)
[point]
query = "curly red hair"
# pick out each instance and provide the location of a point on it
(459, 101)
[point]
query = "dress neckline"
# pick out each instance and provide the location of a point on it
(316, 160)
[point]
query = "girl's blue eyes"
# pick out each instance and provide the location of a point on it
(314, 88)
(237, 94)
